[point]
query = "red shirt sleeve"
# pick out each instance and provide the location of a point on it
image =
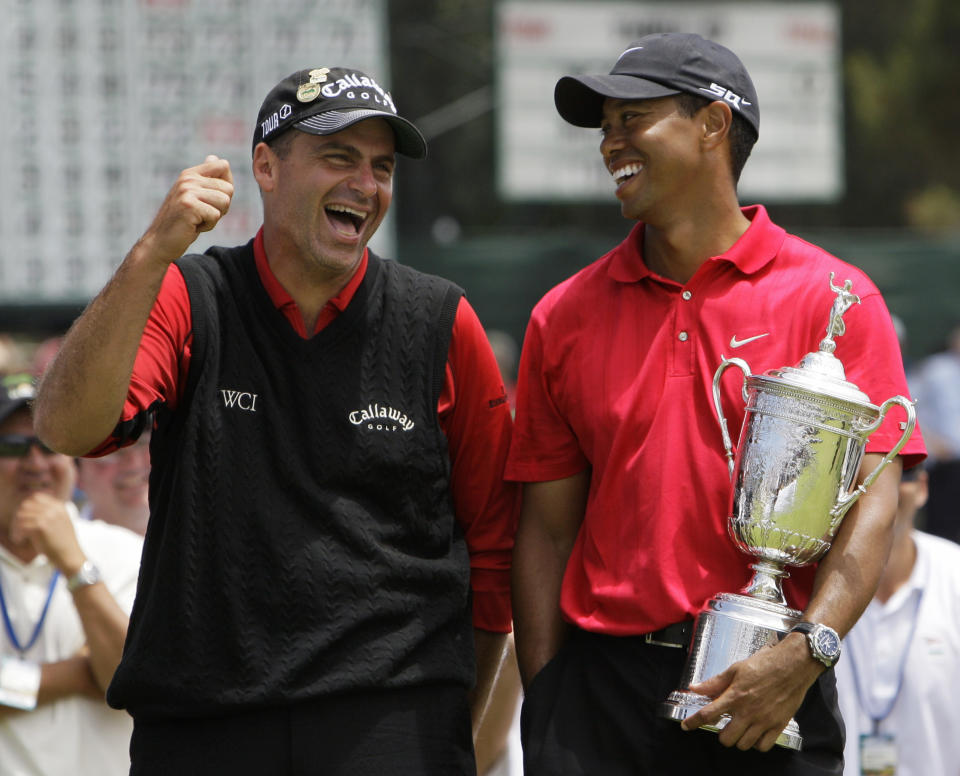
(161, 362)
(475, 416)
(544, 447)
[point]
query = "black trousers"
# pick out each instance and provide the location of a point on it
(592, 710)
(415, 732)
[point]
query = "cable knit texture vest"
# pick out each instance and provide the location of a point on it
(302, 540)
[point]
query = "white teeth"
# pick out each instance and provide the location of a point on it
(625, 172)
(348, 210)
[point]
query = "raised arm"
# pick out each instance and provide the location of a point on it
(82, 392)
(549, 521)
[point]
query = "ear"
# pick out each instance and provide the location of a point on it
(717, 119)
(265, 167)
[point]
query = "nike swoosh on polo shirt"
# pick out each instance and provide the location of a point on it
(735, 343)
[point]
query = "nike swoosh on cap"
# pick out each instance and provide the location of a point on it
(735, 343)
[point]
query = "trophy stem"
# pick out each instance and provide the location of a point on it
(765, 583)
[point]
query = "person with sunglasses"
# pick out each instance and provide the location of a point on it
(66, 589)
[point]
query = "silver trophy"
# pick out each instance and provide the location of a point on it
(799, 453)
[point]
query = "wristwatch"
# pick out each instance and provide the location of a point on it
(87, 575)
(823, 640)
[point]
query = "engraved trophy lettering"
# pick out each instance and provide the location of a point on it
(793, 476)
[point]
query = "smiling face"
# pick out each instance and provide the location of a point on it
(652, 151)
(117, 485)
(325, 196)
(37, 471)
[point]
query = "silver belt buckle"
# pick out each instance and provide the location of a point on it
(649, 639)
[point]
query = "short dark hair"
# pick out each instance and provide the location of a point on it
(280, 144)
(742, 135)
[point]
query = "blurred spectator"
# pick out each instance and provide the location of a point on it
(115, 486)
(8, 354)
(937, 389)
(900, 672)
(66, 589)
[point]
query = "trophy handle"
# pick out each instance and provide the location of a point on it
(847, 500)
(718, 406)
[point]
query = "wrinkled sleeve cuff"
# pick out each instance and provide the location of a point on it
(491, 600)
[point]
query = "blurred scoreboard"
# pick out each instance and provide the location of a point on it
(106, 101)
(790, 48)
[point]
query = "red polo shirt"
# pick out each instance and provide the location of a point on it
(616, 374)
(472, 410)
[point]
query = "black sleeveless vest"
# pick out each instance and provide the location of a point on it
(302, 540)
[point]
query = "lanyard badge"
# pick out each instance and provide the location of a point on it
(878, 755)
(19, 683)
(20, 678)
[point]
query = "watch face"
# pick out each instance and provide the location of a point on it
(828, 643)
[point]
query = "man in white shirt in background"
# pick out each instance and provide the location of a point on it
(899, 679)
(66, 589)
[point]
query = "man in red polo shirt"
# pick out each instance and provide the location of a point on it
(622, 536)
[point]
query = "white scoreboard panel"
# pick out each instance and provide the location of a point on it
(790, 48)
(105, 101)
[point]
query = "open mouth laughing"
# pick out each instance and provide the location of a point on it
(346, 220)
(623, 174)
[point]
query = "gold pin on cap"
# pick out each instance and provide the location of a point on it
(308, 92)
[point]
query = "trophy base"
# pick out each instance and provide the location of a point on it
(729, 629)
(679, 705)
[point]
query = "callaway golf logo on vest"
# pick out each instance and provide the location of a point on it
(377, 417)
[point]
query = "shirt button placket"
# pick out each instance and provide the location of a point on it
(685, 352)
(687, 295)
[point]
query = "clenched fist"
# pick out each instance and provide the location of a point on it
(197, 201)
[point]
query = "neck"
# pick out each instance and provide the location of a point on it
(310, 287)
(678, 249)
(903, 557)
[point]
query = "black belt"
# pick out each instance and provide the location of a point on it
(676, 635)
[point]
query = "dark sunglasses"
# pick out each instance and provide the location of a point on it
(18, 445)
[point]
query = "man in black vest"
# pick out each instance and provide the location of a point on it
(325, 578)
